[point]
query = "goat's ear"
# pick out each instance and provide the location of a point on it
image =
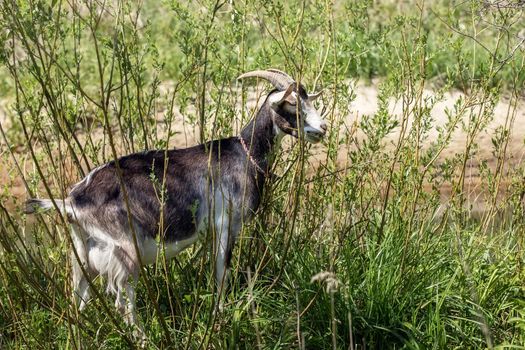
(313, 97)
(287, 93)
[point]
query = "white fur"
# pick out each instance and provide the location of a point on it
(227, 222)
(313, 121)
(276, 97)
(100, 254)
(80, 281)
(222, 220)
(313, 125)
(152, 249)
(102, 259)
(96, 250)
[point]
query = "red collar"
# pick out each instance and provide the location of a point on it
(254, 163)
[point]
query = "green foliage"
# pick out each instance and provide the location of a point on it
(394, 266)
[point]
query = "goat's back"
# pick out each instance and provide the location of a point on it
(188, 177)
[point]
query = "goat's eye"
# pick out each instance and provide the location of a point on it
(293, 103)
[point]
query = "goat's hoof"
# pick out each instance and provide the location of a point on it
(140, 338)
(143, 341)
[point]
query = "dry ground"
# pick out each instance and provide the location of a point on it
(366, 103)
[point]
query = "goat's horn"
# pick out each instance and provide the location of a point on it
(273, 70)
(278, 79)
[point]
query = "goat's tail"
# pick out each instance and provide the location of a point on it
(34, 205)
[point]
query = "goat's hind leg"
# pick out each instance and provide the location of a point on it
(131, 309)
(124, 273)
(127, 308)
(81, 279)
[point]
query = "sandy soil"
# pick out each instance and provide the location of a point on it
(365, 103)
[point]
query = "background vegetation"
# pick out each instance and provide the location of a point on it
(354, 248)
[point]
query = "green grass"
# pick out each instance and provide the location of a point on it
(402, 269)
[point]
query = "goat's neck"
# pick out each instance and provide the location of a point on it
(260, 136)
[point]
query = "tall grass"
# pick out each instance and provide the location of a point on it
(354, 247)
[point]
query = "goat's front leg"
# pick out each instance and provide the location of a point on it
(226, 232)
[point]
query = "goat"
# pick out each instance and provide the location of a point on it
(115, 211)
